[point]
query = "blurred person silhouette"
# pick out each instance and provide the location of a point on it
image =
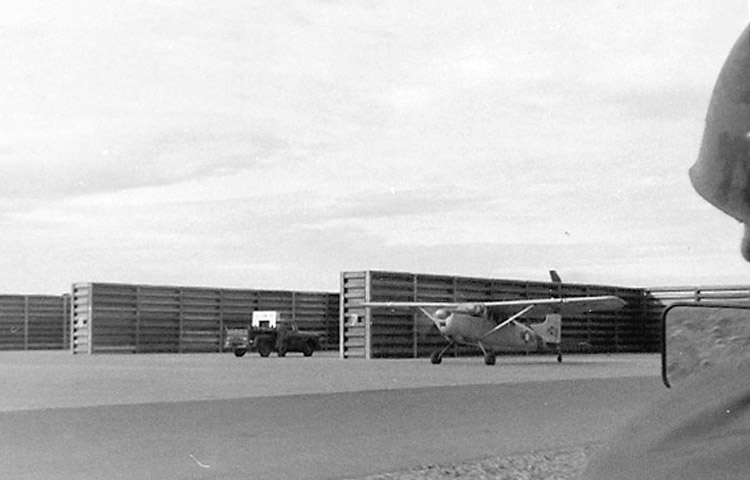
(701, 428)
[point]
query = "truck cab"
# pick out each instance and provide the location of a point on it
(268, 333)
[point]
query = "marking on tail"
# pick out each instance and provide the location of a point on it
(551, 329)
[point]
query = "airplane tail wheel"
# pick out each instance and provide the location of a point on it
(489, 359)
(436, 358)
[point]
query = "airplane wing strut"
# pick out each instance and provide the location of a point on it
(429, 315)
(509, 320)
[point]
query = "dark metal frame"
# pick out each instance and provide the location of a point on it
(696, 304)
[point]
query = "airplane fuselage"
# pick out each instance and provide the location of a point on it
(473, 330)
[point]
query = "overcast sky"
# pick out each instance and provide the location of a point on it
(264, 144)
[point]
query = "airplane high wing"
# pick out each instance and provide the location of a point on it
(541, 306)
(563, 306)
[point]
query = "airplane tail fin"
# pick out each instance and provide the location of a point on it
(554, 276)
(551, 329)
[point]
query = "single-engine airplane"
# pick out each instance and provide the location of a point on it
(494, 326)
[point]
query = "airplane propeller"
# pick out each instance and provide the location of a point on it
(437, 319)
(442, 314)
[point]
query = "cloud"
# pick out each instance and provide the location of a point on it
(442, 199)
(664, 104)
(163, 95)
(138, 160)
(185, 143)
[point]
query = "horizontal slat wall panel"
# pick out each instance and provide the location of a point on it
(47, 321)
(315, 314)
(158, 319)
(388, 286)
(13, 322)
(201, 320)
(430, 288)
(665, 296)
(237, 307)
(406, 334)
(114, 311)
(33, 322)
(146, 318)
(473, 289)
(279, 301)
(392, 336)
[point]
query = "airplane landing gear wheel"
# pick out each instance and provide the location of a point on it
(489, 359)
(559, 358)
(436, 358)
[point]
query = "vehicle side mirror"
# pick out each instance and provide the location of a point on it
(700, 335)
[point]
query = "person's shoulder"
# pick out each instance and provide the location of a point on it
(698, 430)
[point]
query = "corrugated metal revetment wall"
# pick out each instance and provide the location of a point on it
(397, 334)
(658, 298)
(34, 322)
(111, 318)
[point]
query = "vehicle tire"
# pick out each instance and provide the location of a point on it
(264, 349)
(489, 359)
(307, 349)
(240, 352)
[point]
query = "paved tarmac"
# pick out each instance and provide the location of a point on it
(219, 417)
